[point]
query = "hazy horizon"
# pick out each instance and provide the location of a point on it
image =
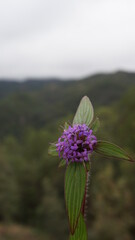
(57, 78)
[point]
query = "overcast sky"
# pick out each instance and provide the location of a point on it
(66, 38)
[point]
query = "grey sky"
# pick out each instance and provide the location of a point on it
(66, 38)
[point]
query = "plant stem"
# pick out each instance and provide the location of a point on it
(84, 204)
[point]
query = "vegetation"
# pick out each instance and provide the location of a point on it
(31, 185)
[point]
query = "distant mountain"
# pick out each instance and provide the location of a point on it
(8, 86)
(117, 83)
(35, 103)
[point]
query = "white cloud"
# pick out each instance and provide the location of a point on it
(66, 38)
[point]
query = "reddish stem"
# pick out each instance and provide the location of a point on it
(85, 195)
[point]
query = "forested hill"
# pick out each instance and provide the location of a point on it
(36, 103)
(31, 185)
(115, 84)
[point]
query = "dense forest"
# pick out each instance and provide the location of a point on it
(31, 184)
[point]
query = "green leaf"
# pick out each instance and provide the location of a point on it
(66, 125)
(111, 150)
(95, 125)
(81, 230)
(52, 150)
(85, 112)
(62, 163)
(75, 181)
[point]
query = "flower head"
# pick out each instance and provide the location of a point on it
(76, 143)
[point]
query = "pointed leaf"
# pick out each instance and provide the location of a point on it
(84, 112)
(62, 163)
(52, 150)
(75, 181)
(81, 230)
(95, 125)
(111, 150)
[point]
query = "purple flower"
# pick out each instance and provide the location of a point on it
(76, 143)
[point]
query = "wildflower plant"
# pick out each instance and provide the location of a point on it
(74, 148)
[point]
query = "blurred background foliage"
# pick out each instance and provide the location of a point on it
(31, 185)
